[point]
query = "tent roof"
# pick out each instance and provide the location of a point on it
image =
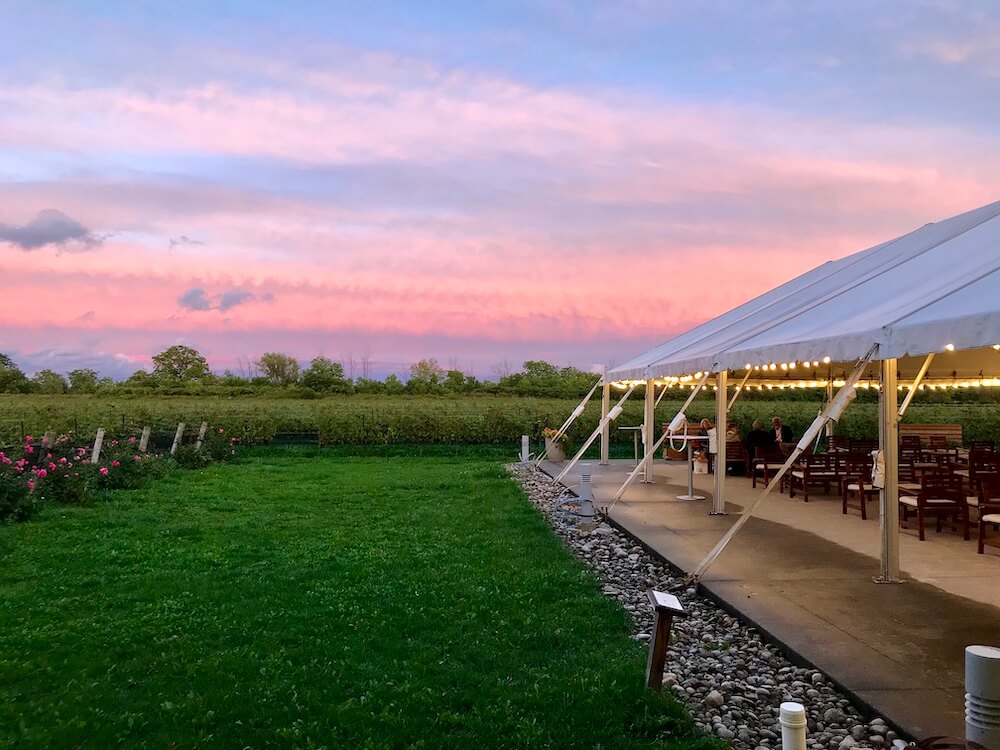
(936, 286)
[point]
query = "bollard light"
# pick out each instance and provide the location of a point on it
(525, 449)
(792, 717)
(982, 695)
(586, 507)
(666, 606)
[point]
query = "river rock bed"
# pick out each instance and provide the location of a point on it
(731, 680)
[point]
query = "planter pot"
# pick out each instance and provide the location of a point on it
(555, 451)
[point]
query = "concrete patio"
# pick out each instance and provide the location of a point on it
(802, 572)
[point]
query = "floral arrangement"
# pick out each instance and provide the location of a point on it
(551, 433)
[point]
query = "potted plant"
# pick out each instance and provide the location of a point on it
(555, 444)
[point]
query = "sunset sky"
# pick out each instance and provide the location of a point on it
(477, 182)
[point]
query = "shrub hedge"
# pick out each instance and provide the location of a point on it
(359, 420)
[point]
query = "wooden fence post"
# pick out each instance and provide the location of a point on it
(201, 435)
(95, 456)
(144, 440)
(177, 439)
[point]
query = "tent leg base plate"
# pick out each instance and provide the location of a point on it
(718, 513)
(880, 579)
(690, 497)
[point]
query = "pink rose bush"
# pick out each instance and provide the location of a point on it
(33, 472)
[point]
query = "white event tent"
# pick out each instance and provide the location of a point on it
(919, 311)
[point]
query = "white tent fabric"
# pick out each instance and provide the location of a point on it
(934, 287)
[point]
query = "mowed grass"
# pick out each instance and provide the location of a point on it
(303, 602)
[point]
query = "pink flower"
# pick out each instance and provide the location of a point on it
(28, 439)
(138, 458)
(232, 441)
(52, 467)
(29, 449)
(116, 463)
(132, 439)
(114, 442)
(62, 460)
(104, 471)
(221, 431)
(31, 485)
(42, 473)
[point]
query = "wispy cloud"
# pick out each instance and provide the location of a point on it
(196, 300)
(184, 240)
(50, 227)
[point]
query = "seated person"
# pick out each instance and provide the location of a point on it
(782, 433)
(732, 430)
(707, 428)
(759, 441)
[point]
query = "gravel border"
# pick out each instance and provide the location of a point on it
(726, 674)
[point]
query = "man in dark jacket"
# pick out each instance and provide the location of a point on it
(782, 433)
(758, 442)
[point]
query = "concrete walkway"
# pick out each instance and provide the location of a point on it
(802, 572)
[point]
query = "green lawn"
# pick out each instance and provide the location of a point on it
(332, 602)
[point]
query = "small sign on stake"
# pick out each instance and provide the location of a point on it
(666, 606)
(144, 440)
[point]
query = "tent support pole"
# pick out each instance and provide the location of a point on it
(656, 446)
(612, 416)
(662, 394)
(721, 410)
(916, 384)
(830, 426)
(648, 427)
(888, 435)
(739, 390)
(806, 439)
(605, 431)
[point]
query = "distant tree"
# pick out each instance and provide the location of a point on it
(180, 363)
(83, 380)
(231, 379)
(454, 381)
(142, 379)
(49, 381)
(425, 376)
(12, 380)
(325, 376)
(368, 386)
(393, 385)
(279, 369)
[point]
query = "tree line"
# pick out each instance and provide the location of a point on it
(183, 370)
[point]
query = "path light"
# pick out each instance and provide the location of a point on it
(792, 717)
(950, 347)
(666, 607)
(826, 360)
(982, 695)
(586, 496)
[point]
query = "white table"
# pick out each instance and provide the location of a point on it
(690, 440)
